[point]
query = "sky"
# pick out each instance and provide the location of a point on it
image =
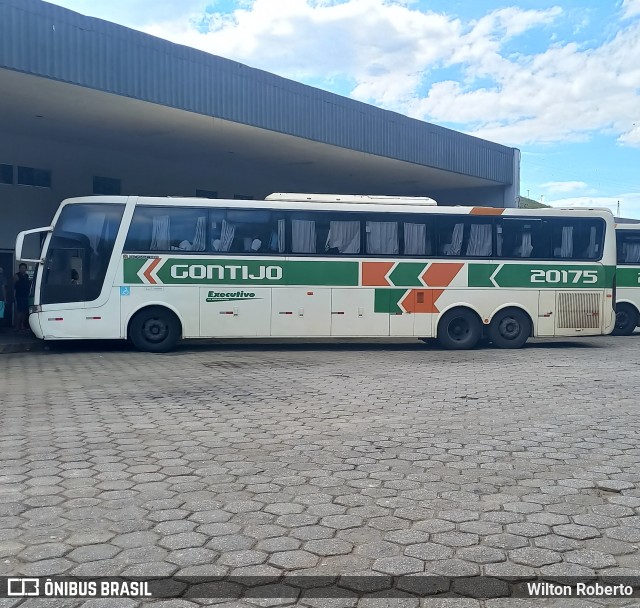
(559, 80)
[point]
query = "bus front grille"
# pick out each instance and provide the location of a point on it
(578, 310)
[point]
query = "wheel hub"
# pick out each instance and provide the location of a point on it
(509, 328)
(154, 330)
(458, 329)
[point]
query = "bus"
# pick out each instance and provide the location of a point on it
(155, 270)
(627, 279)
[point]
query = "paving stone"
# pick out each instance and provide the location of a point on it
(239, 559)
(341, 522)
(577, 532)
(506, 541)
(397, 566)
(333, 546)
(624, 533)
(611, 485)
(455, 539)
(529, 530)
(528, 556)
(429, 551)
(191, 557)
(556, 543)
(481, 555)
(282, 543)
(561, 570)
(590, 558)
(312, 532)
(233, 542)
(406, 537)
(452, 567)
(293, 559)
(43, 551)
(183, 540)
(93, 552)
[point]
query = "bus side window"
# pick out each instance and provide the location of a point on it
(246, 231)
(167, 229)
(577, 238)
(465, 236)
(325, 233)
(628, 246)
(521, 238)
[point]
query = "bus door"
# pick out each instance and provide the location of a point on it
(63, 287)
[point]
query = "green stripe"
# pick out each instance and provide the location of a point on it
(227, 271)
(407, 274)
(628, 277)
(131, 269)
(541, 276)
(387, 300)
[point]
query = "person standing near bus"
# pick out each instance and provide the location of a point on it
(21, 288)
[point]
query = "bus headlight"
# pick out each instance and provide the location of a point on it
(34, 309)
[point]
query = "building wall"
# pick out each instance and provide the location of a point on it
(73, 168)
(45, 40)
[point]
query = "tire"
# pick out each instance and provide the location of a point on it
(626, 320)
(459, 329)
(154, 330)
(510, 328)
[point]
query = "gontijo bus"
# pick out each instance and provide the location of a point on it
(628, 279)
(155, 270)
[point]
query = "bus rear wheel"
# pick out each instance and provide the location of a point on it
(459, 329)
(626, 320)
(510, 328)
(154, 330)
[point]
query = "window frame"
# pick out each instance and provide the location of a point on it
(620, 233)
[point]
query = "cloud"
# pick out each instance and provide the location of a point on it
(563, 186)
(629, 203)
(392, 54)
(630, 8)
(134, 13)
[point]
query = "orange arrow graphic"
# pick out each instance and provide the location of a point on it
(421, 300)
(373, 274)
(440, 275)
(149, 270)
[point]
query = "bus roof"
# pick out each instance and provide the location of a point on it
(351, 198)
(381, 205)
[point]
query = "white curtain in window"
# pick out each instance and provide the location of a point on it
(94, 228)
(382, 238)
(303, 236)
(631, 253)
(344, 236)
(227, 233)
(160, 240)
(479, 240)
(199, 242)
(415, 237)
(455, 246)
(592, 248)
(566, 249)
(525, 249)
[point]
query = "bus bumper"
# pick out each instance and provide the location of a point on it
(34, 323)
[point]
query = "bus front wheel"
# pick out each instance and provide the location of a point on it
(459, 329)
(154, 330)
(626, 320)
(510, 328)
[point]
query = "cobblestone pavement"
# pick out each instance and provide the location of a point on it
(322, 459)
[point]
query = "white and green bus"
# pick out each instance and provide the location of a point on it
(155, 270)
(627, 279)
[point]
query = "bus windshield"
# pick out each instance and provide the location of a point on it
(79, 252)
